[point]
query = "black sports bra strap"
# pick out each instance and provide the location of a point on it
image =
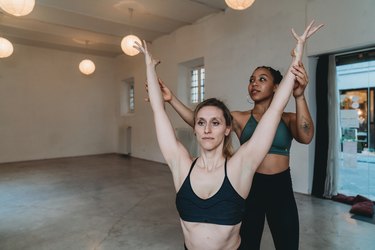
(225, 166)
(192, 165)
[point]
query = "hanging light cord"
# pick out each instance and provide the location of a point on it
(131, 10)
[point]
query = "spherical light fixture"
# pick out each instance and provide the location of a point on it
(127, 44)
(128, 41)
(87, 67)
(17, 7)
(6, 48)
(239, 4)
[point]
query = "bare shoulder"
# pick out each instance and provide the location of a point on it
(240, 173)
(181, 170)
(240, 116)
(184, 159)
(240, 119)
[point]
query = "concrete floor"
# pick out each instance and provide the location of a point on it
(110, 202)
(357, 177)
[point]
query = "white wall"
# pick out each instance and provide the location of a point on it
(48, 109)
(232, 45)
(349, 25)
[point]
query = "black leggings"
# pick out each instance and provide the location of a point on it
(271, 196)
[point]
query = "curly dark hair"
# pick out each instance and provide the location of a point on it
(277, 76)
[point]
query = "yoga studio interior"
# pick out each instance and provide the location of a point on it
(80, 165)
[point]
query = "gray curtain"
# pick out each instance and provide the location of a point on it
(334, 133)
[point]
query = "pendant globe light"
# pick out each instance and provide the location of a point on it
(128, 41)
(86, 66)
(6, 48)
(17, 7)
(127, 44)
(239, 4)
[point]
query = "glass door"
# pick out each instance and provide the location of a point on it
(356, 86)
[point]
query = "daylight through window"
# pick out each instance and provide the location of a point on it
(131, 97)
(197, 84)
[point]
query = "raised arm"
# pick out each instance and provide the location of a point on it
(253, 151)
(301, 123)
(170, 147)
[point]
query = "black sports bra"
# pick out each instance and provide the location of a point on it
(226, 207)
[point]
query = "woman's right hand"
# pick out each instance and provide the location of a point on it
(148, 57)
(301, 80)
(309, 31)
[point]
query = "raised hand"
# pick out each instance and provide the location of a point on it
(166, 92)
(301, 80)
(148, 57)
(309, 31)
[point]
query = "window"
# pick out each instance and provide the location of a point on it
(131, 96)
(191, 81)
(197, 84)
(127, 97)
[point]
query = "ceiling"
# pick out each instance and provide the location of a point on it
(98, 26)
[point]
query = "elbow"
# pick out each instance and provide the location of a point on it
(310, 137)
(306, 139)
(305, 133)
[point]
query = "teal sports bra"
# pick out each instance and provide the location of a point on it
(281, 143)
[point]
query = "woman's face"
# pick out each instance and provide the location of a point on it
(261, 85)
(210, 127)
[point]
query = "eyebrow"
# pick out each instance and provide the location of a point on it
(264, 75)
(213, 118)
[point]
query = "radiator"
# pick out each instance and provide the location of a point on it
(125, 136)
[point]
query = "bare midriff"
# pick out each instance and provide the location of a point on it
(208, 236)
(273, 164)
